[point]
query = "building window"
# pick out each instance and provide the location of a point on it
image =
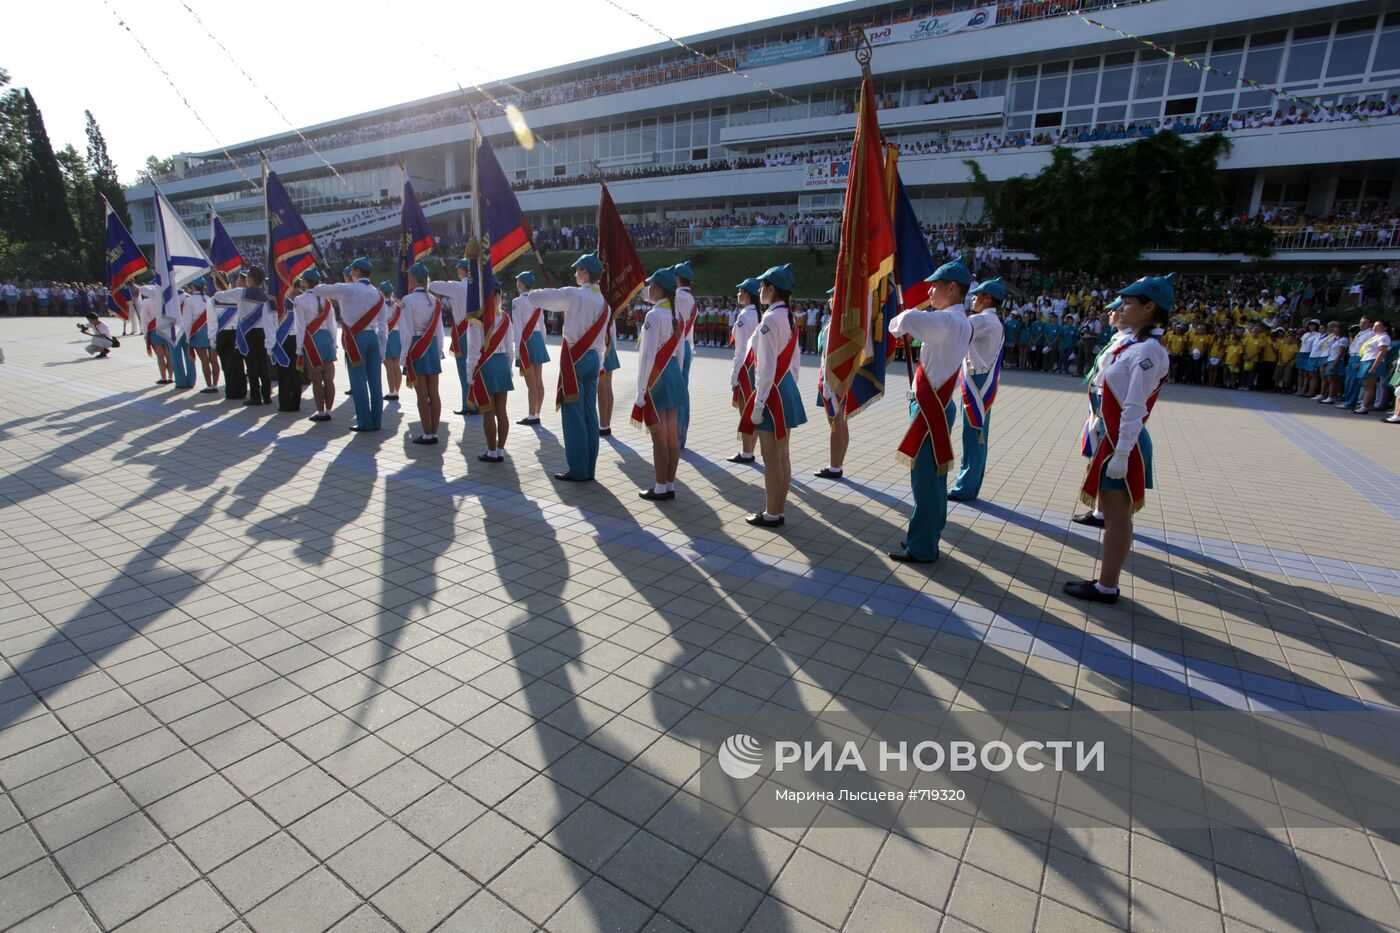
(1151, 76)
(1116, 82)
(1180, 107)
(1351, 49)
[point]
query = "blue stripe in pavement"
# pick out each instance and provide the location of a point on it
(1102, 654)
(1374, 482)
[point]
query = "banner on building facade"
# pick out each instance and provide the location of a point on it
(741, 236)
(827, 174)
(933, 27)
(787, 52)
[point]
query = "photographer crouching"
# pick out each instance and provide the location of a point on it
(100, 341)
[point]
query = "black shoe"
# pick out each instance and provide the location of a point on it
(102, 355)
(460, 412)
(391, 398)
(605, 432)
(251, 402)
(425, 440)
(1087, 589)
(209, 391)
(828, 473)
(487, 458)
(651, 495)
(955, 496)
(1089, 519)
(356, 427)
(759, 520)
(904, 557)
(528, 421)
(569, 478)
(741, 458)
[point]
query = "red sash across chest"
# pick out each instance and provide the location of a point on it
(646, 414)
(421, 345)
(774, 402)
(500, 328)
(525, 361)
(1111, 410)
(568, 388)
(308, 342)
(931, 421)
(348, 334)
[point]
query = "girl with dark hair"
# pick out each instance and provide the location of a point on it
(660, 354)
(1121, 470)
(774, 407)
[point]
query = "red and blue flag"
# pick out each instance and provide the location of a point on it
(502, 221)
(415, 238)
(124, 263)
(223, 253)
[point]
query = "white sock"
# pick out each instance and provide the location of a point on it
(770, 517)
(670, 487)
(659, 489)
(1098, 513)
(1106, 590)
(832, 469)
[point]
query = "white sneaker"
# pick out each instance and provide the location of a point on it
(1317, 398)
(1392, 420)
(1362, 410)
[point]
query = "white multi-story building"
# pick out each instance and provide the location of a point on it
(756, 128)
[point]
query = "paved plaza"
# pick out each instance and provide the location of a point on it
(260, 673)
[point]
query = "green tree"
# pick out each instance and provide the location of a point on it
(104, 170)
(154, 168)
(1098, 210)
(47, 218)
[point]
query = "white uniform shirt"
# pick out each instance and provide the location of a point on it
(1376, 345)
(420, 315)
(1309, 343)
(147, 301)
(455, 293)
(1133, 373)
(1359, 341)
(305, 307)
(1334, 346)
(657, 328)
(261, 308)
(988, 335)
(768, 342)
(581, 307)
(1096, 384)
(685, 310)
(190, 308)
(944, 337)
(521, 310)
(745, 323)
(356, 300)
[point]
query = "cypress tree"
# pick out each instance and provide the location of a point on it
(47, 218)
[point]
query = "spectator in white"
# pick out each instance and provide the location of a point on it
(1373, 356)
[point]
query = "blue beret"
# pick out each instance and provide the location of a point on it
(780, 277)
(953, 271)
(831, 292)
(664, 277)
(464, 264)
(1155, 288)
(992, 288)
(345, 271)
(683, 271)
(750, 285)
(419, 270)
(386, 287)
(312, 275)
(363, 264)
(526, 278)
(1114, 305)
(590, 263)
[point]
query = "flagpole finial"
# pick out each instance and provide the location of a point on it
(864, 53)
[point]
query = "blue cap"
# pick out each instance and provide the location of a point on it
(464, 264)
(683, 271)
(363, 264)
(953, 271)
(419, 270)
(590, 263)
(312, 275)
(345, 271)
(386, 287)
(526, 278)
(992, 288)
(665, 278)
(831, 292)
(1114, 305)
(1155, 288)
(750, 285)
(780, 277)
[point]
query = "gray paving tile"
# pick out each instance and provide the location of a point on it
(137, 887)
